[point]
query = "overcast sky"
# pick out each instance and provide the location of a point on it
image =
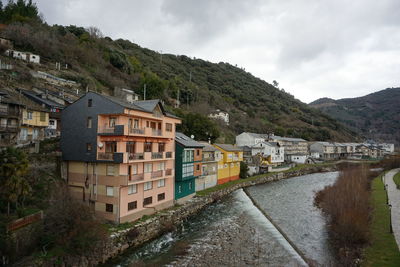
(313, 48)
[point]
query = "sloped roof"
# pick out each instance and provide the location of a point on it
(186, 141)
(35, 97)
(290, 139)
(13, 97)
(228, 147)
(256, 135)
(207, 147)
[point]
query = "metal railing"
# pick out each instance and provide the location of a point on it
(156, 132)
(156, 155)
(136, 130)
(168, 172)
(157, 174)
(168, 155)
(135, 156)
(136, 177)
(105, 156)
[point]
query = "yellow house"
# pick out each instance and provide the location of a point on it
(34, 121)
(229, 159)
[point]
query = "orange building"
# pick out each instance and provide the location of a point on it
(119, 156)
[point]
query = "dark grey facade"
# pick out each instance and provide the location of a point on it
(74, 131)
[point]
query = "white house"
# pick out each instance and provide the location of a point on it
(26, 56)
(250, 139)
(220, 115)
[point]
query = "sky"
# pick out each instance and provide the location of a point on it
(313, 48)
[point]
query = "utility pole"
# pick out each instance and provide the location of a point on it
(177, 99)
(144, 92)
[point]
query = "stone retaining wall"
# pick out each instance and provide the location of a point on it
(166, 221)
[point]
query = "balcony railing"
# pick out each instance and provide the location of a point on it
(136, 130)
(109, 156)
(168, 155)
(157, 174)
(13, 113)
(156, 132)
(135, 156)
(116, 130)
(209, 158)
(156, 155)
(105, 156)
(168, 172)
(136, 177)
(7, 127)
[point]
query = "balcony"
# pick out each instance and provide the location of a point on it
(116, 130)
(156, 155)
(111, 157)
(10, 113)
(135, 131)
(156, 132)
(168, 155)
(212, 158)
(8, 128)
(135, 156)
(135, 178)
(168, 172)
(157, 174)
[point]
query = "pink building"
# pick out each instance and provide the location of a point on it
(120, 156)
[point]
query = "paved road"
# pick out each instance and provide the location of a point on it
(394, 199)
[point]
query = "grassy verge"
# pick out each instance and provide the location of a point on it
(396, 180)
(383, 250)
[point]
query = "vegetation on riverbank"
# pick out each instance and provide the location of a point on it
(396, 180)
(347, 205)
(383, 250)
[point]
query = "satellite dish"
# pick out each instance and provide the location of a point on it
(100, 144)
(192, 136)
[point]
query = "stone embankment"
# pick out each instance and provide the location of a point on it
(167, 220)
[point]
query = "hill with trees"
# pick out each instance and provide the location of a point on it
(375, 116)
(187, 85)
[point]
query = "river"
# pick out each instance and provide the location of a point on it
(233, 232)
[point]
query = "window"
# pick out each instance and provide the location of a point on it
(111, 147)
(89, 122)
(110, 191)
(109, 207)
(161, 147)
(179, 189)
(187, 170)
(130, 147)
(132, 205)
(136, 123)
(110, 170)
(52, 122)
(29, 115)
(198, 167)
(198, 152)
(89, 102)
(132, 189)
(88, 147)
(161, 196)
(161, 183)
(42, 116)
(160, 166)
(168, 127)
(147, 146)
(148, 167)
(147, 201)
(190, 186)
(112, 121)
(148, 186)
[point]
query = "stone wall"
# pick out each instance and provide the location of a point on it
(167, 220)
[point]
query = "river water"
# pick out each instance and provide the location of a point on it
(233, 232)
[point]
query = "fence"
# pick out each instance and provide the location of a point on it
(24, 221)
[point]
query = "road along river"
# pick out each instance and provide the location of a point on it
(235, 232)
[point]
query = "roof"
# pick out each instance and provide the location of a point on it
(207, 147)
(36, 97)
(256, 135)
(290, 139)
(186, 141)
(13, 97)
(228, 147)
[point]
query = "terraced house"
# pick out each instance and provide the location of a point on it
(188, 166)
(119, 156)
(229, 158)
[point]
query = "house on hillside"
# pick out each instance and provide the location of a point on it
(229, 158)
(220, 115)
(26, 56)
(10, 117)
(126, 94)
(296, 149)
(119, 157)
(188, 166)
(326, 150)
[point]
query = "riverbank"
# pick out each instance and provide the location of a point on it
(138, 233)
(383, 250)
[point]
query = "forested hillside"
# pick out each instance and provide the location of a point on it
(375, 116)
(99, 63)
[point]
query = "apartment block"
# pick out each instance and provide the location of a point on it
(119, 156)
